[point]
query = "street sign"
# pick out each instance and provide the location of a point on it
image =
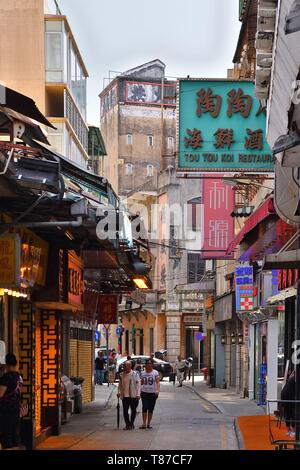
(244, 290)
(221, 127)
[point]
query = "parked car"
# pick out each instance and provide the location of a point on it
(161, 354)
(163, 368)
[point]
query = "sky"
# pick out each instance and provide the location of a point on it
(192, 37)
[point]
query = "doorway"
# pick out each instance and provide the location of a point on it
(193, 347)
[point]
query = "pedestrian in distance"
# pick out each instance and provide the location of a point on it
(10, 404)
(112, 368)
(180, 366)
(129, 391)
(100, 364)
(149, 393)
(138, 368)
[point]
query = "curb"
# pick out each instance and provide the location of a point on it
(239, 435)
(109, 396)
(203, 398)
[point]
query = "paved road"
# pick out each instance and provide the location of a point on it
(182, 420)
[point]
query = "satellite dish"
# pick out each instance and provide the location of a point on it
(287, 194)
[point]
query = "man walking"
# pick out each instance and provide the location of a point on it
(149, 393)
(129, 390)
(99, 368)
(180, 365)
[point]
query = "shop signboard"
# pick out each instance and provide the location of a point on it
(75, 280)
(222, 127)
(10, 254)
(244, 290)
(108, 309)
(218, 205)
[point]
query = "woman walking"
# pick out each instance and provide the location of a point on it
(112, 368)
(149, 393)
(10, 404)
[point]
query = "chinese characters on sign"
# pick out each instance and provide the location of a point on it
(10, 261)
(244, 289)
(221, 127)
(108, 309)
(218, 223)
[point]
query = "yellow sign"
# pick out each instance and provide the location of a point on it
(34, 258)
(9, 261)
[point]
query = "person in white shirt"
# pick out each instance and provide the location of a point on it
(149, 393)
(180, 366)
(130, 391)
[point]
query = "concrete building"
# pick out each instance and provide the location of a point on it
(138, 124)
(39, 57)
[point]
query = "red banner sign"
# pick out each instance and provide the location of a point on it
(108, 309)
(218, 224)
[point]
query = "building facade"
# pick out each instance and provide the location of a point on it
(52, 70)
(138, 124)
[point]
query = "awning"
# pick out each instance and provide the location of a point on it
(266, 209)
(271, 241)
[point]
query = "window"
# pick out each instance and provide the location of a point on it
(129, 169)
(194, 214)
(150, 169)
(129, 139)
(54, 51)
(150, 140)
(171, 143)
(195, 267)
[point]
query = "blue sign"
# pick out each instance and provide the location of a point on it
(97, 336)
(244, 289)
(199, 337)
(118, 331)
(222, 127)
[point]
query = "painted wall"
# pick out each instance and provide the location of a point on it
(22, 48)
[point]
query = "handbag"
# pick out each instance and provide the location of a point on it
(181, 370)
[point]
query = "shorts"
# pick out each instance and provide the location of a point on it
(148, 401)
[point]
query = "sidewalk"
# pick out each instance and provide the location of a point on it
(77, 428)
(251, 421)
(225, 400)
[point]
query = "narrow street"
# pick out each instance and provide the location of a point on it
(182, 420)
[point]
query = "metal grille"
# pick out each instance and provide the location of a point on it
(85, 368)
(38, 375)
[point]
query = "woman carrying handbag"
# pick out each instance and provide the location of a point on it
(11, 408)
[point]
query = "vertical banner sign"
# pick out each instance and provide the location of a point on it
(218, 201)
(108, 309)
(10, 254)
(222, 127)
(244, 290)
